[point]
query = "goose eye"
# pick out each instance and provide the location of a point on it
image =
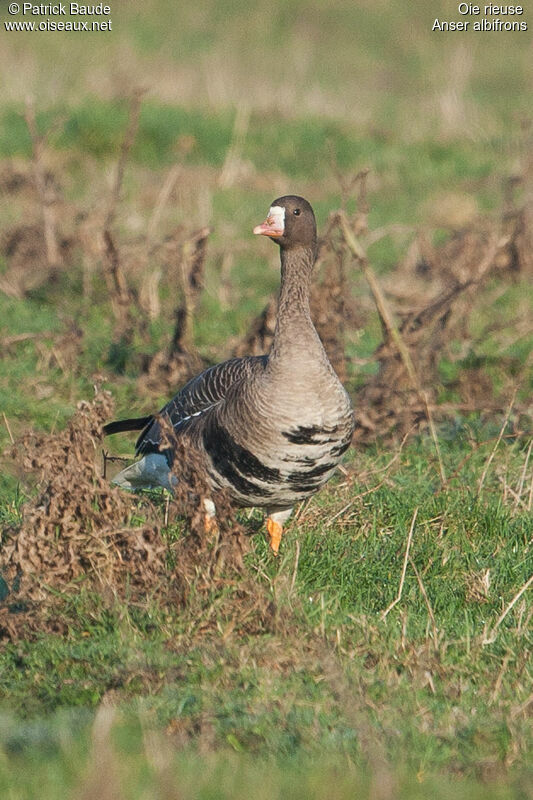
(296, 212)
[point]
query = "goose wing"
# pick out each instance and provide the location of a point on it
(197, 396)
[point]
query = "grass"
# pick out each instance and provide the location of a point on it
(95, 126)
(407, 705)
(139, 763)
(409, 183)
(337, 680)
(377, 65)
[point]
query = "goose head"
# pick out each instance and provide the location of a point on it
(290, 223)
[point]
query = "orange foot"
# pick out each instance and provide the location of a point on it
(275, 531)
(210, 524)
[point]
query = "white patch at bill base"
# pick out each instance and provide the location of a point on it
(277, 214)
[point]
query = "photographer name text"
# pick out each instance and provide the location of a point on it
(60, 9)
(49, 13)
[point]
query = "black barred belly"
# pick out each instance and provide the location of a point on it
(251, 482)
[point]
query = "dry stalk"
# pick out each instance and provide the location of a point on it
(490, 638)
(121, 295)
(391, 331)
(475, 447)
(381, 304)
(191, 264)
(125, 148)
(295, 570)
(106, 458)
(497, 442)
(149, 291)
(508, 490)
(433, 432)
(224, 286)
(233, 158)
(6, 423)
(162, 199)
(102, 778)
(354, 500)
(499, 679)
(523, 476)
(178, 361)
(404, 567)
(426, 601)
(517, 711)
(45, 190)
(348, 182)
(185, 314)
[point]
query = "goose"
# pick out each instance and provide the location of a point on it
(271, 429)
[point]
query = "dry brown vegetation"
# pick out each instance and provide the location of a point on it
(77, 531)
(80, 533)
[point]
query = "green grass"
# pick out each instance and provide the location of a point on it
(331, 688)
(133, 759)
(336, 680)
(300, 148)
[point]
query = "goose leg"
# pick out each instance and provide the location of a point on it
(274, 524)
(210, 520)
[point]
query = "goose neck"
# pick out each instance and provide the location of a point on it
(296, 268)
(295, 334)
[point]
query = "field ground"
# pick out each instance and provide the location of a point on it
(431, 698)
(300, 677)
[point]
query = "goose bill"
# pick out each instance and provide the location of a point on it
(274, 225)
